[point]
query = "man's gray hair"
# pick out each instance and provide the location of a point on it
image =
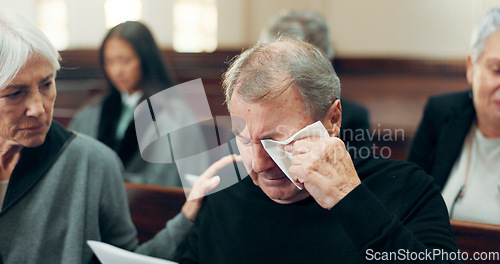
(20, 40)
(305, 24)
(265, 71)
(488, 24)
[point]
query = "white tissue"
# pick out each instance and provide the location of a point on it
(282, 158)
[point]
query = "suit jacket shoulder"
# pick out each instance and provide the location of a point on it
(445, 124)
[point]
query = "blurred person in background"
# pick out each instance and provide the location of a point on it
(134, 71)
(458, 139)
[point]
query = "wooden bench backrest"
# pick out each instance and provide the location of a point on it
(477, 237)
(152, 206)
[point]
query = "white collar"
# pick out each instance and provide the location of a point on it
(131, 100)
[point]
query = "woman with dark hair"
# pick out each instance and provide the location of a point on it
(136, 37)
(134, 71)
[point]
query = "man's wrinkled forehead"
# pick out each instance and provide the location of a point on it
(238, 124)
(262, 111)
(265, 87)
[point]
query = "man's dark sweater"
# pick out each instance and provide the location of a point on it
(397, 208)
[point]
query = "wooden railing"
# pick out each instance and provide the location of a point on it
(152, 206)
(478, 240)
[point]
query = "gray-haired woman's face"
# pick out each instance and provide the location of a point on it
(26, 105)
(484, 77)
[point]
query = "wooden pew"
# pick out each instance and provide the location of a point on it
(152, 206)
(477, 237)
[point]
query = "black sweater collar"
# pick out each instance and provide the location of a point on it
(35, 162)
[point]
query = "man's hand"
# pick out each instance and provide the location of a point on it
(324, 167)
(204, 184)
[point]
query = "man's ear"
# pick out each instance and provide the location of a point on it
(333, 118)
(470, 70)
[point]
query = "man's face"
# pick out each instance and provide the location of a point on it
(484, 76)
(277, 119)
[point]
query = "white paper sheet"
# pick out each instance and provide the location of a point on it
(275, 149)
(109, 254)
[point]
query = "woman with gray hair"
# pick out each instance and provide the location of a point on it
(59, 189)
(458, 140)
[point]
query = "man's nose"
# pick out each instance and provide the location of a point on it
(34, 105)
(261, 160)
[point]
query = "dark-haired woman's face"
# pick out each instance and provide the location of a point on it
(122, 65)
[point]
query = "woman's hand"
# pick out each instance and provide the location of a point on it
(204, 184)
